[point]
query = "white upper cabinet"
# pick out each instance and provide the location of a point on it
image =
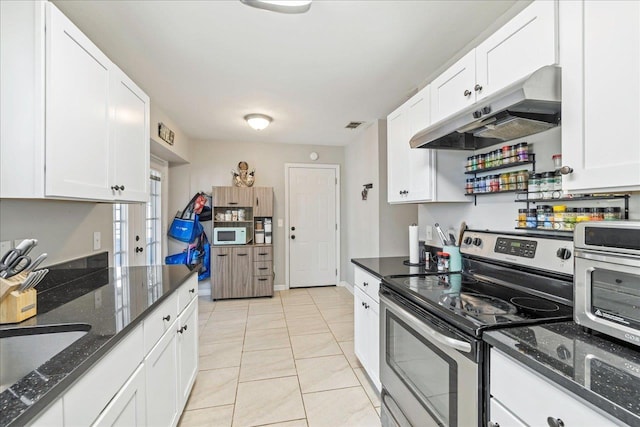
(521, 46)
(453, 90)
(524, 44)
(600, 58)
(409, 171)
(129, 140)
(77, 112)
(73, 125)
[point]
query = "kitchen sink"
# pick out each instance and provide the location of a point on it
(23, 350)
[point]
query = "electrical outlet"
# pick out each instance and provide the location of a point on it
(97, 240)
(429, 233)
(5, 247)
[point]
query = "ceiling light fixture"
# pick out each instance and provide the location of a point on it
(281, 6)
(258, 121)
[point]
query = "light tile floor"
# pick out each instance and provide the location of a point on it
(281, 361)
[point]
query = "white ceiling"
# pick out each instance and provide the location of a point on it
(209, 63)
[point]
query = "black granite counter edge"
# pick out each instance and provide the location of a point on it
(365, 268)
(586, 394)
(58, 390)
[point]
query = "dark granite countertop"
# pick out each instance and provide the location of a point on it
(109, 303)
(387, 266)
(588, 364)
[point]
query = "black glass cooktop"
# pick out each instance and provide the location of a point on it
(474, 305)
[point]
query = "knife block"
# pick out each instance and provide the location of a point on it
(16, 306)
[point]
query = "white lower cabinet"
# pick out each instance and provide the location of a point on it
(52, 416)
(162, 378)
(366, 330)
(128, 407)
(187, 352)
(520, 396)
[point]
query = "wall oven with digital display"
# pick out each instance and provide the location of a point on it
(607, 278)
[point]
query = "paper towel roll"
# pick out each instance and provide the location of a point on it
(414, 253)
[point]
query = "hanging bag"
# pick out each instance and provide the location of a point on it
(183, 227)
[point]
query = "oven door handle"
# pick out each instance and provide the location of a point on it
(422, 327)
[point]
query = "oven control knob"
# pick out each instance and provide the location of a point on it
(563, 352)
(477, 241)
(467, 240)
(563, 253)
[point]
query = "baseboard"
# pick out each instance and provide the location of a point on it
(346, 285)
(279, 288)
(204, 287)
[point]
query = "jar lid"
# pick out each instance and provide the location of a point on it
(548, 174)
(445, 255)
(440, 253)
(600, 210)
(556, 156)
(572, 210)
(612, 209)
(522, 210)
(537, 175)
(532, 211)
(560, 208)
(581, 210)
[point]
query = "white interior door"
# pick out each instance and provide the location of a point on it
(313, 226)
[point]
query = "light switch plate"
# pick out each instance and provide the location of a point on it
(97, 240)
(280, 223)
(429, 233)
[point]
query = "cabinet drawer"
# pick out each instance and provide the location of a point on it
(263, 253)
(262, 286)
(187, 292)
(159, 321)
(368, 283)
(264, 268)
(90, 394)
(515, 386)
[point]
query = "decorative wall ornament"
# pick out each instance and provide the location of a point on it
(165, 133)
(243, 178)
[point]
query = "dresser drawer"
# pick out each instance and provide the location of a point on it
(368, 283)
(262, 286)
(263, 253)
(262, 268)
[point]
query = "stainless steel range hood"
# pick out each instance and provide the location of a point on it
(529, 106)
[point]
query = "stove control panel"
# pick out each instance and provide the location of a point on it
(516, 247)
(550, 253)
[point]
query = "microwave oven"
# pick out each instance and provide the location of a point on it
(230, 236)
(607, 278)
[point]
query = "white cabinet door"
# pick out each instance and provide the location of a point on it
(524, 44)
(187, 351)
(453, 90)
(77, 112)
(127, 409)
(161, 380)
(516, 386)
(600, 58)
(366, 333)
(420, 160)
(397, 170)
(129, 140)
(360, 333)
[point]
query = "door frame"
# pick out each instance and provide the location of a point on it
(287, 168)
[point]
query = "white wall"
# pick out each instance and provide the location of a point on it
(178, 153)
(64, 229)
(211, 165)
(374, 228)
(499, 211)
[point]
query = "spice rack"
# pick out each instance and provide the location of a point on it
(560, 222)
(512, 186)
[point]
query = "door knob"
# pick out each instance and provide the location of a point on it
(293, 229)
(293, 237)
(139, 249)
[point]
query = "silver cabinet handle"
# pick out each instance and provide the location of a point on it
(566, 170)
(467, 92)
(477, 87)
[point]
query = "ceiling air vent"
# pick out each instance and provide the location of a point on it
(353, 125)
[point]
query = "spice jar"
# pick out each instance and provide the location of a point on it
(481, 161)
(545, 217)
(570, 219)
(495, 183)
(546, 185)
(469, 186)
(469, 166)
(582, 215)
(521, 180)
(596, 214)
(506, 155)
(498, 156)
(443, 261)
(534, 186)
(532, 218)
(522, 218)
(513, 178)
(557, 161)
(504, 181)
(522, 151)
(558, 217)
(612, 214)
(557, 181)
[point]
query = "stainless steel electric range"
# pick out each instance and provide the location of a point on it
(432, 357)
